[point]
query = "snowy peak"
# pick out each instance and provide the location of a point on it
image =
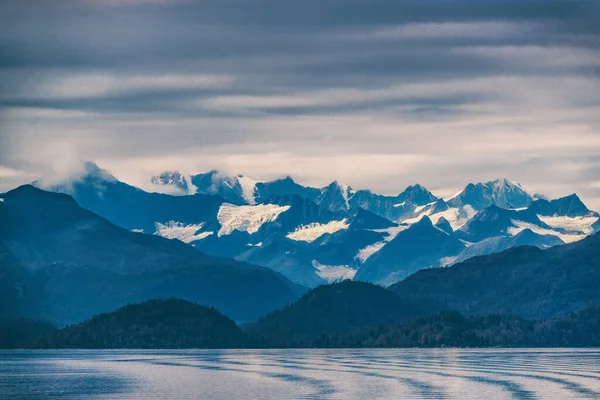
(569, 206)
(417, 195)
(283, 187)
(501, 192)
(173, 179)
(247, 218)
(336, 197)
(439, 206)
(94, 172)
(444, 225)
(248, 188)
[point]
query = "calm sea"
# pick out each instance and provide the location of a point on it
(301, 374)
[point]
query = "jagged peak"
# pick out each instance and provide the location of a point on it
(417, 194)
(444, 225)
(167, 175)
(424, 221)
(91, 169)
(505, 182)
(287, 179)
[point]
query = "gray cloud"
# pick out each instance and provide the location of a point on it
(377, 93)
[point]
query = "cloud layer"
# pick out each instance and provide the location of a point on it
(378, 94)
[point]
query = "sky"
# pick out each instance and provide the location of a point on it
(377, 94)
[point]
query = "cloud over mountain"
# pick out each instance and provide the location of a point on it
(378, 94)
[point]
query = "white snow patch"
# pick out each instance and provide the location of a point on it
(447, 261)
(192, 189)
(311, 232)
(452, 215)
(441, 230)
(447, 199)
(400, 204)
(178, 230)
(137, 230)
(364, 254)
(421, 208)
(2, 199)
(521, 225)
(392, 231)
(247, 218)
(333, 273)
(248, 187)
(575, 224)
(346, 194)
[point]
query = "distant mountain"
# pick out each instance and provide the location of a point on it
(237, 190)
(525, 281)
(336, 197)
(422, 245)
(132, 208)
(291, 258)
(153, 324)
(498, 244)
(64, 263)
(494, 221)
(317, 253)
(364, 219)
(338, 229)
(328, 310)
(501, 192)
(444, 225)
(569, 206)
(417, 195)
(394, 208)
(173, 179)
(284, 187)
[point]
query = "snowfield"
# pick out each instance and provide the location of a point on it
(456, 217)
(310, 233)
(575, 224)
(177, 230)
(248, 188)
(334, 273)
(364, 254)
(520, 226)
(247, 218)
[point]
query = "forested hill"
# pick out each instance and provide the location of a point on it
(452, 329)
(334, 309)
(154, 324)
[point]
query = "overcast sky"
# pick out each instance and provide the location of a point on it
(378, 94)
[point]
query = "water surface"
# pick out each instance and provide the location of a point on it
(301, 374)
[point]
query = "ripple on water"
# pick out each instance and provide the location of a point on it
(302, 374)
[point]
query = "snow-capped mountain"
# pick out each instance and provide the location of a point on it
(496, 244)
(235, 189)
(569, 206)
(284, 187)
(238, 189)
(176, 180)
(395, 208)
(501, 192)
(423, 245)
(318, 235)
(336, 197)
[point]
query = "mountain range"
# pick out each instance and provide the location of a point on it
(524, 281)
(62, 263)
(319, 235)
